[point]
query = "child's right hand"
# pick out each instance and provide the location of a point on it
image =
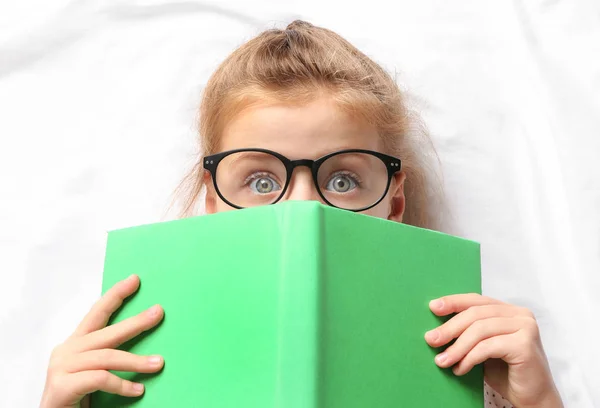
(80, 365)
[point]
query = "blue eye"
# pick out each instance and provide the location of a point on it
(264, 185)
(341, 183)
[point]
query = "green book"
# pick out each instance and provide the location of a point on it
(293, 305)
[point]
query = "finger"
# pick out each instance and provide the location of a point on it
(457, 303)
(493, 347)
(479, 331)
(115, 335)
(459, 323)
(521, 348)
(86, 382)
(108, 359)
(98, 316)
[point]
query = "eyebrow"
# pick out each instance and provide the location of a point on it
(249, 155)
(343, 160)
(355, 157)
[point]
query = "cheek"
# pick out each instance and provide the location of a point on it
(222, 206)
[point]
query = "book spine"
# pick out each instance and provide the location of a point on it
(299, 307)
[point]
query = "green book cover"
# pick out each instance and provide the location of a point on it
(294, 305)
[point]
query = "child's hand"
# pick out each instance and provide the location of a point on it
(505, 337)
(79, 366)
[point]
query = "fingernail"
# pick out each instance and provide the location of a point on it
(432, 335)
(139, 388)
(131, 277)
(154, 310)
(437, 304)
(155, 360)
(441, 358)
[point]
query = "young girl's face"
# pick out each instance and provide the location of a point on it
(307, 131)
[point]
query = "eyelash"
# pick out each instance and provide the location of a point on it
(354, 176)
(255, 176)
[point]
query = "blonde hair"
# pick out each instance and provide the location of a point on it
(296, 65)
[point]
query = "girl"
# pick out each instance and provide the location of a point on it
(301, 114)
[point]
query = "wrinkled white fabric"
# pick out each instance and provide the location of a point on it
(98, 104)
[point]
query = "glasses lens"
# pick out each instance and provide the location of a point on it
(353, 180)
(250, 179)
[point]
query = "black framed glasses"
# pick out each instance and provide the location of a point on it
(352, 179)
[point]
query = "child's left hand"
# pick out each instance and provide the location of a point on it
(505, 337)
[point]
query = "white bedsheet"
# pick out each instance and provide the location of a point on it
(98, 105)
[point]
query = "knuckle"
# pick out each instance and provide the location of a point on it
(525, 342)
(100, 378)
(474, 313)
(103, 314)
(97, 306)
(485, 347)
(54, 366)
(57, 358)
(527, 313)
(121, 289)
(94, 308)
(56, 382)
(104, 355)
(489, 300)
(125, 386)
(473, 297)
(478, 327)
(115, 295)
(466, 361)
(115, 290)
(532, 328)
(57, 351)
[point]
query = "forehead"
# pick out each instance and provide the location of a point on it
(309, 130)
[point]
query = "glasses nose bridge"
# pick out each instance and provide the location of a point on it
(305, 190)
(301, 163)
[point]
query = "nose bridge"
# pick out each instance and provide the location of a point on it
(302, 186)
